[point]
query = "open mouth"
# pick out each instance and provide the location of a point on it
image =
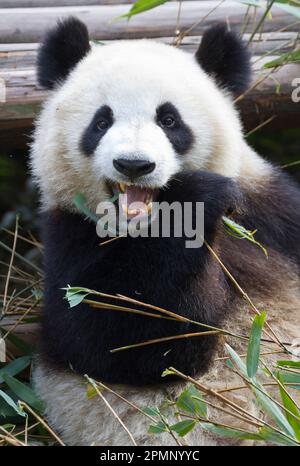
(134, 200)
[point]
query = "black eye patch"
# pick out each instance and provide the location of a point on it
(100, 124)
(178, 133)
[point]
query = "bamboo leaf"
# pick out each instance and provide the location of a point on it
(14, 367)
(91, 392)
(237, 360)
(11, 403)
(289, 57)
(291, 406)
(9, 427)
(158, 428)
(168, 371)
(24, 392)
(229, 432)
(254, 345)
(274, 411)
(6, 411)
(184, 427)
(151, 411)
(140, 6)
(75, 295)
(270, 435)
(289, 378)
(286, 363)
(240, 232)
(191, 400)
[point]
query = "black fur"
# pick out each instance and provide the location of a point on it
(223, 55)
(160, 271)
(63, 47)
(274, 211)
(180, 135)
(93, 134)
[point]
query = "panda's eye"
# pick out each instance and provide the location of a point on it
(102, 124)
(167, 121)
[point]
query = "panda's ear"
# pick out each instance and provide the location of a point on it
(63, 47)
(223, 55)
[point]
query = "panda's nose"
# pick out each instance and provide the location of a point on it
(133, 168)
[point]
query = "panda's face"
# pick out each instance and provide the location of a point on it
(129, 117)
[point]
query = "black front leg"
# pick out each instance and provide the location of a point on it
(159, 271)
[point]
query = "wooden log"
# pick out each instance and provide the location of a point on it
(23, 56)
(30, 24)
(28, 332)
(272, 98)
(51, 3)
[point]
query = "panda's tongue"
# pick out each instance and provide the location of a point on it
(135, 194)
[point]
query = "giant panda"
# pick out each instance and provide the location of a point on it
(144, 118)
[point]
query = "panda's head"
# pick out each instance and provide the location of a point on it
(133, 114)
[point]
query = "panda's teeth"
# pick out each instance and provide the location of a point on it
(122, 187)
(149, 208)
(148, 199)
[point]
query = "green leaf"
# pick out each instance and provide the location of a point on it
(264, 434)
(184, 427)
(14, 367)
(6, 411)
(291, 406)
(236, 359)
(229, 364)
(168, 371)
(191, 400)
(230, 432)
(91, 392)
(97, 42)
(76, 299)
(265, 402)
(240, 232)
(158, 428)
(140, 6)
(11, 403)
(151, 411)
(288, 57)
(274, 411)
(8, 427)
(285, 363)
(290, 2)
(254, 345)
(291, 379)
(24, 392)
(76, 295)
(270, 435)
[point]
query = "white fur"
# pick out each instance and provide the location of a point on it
(134, 78)
(83, 421)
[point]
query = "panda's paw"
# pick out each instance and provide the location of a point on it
(218, 193)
